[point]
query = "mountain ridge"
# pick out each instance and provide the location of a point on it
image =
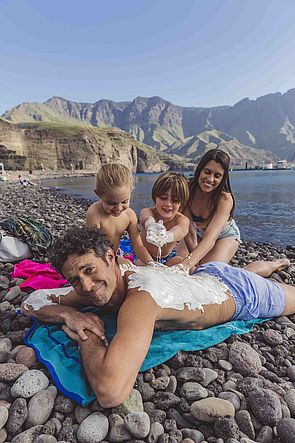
(38, 145)
(266, 123)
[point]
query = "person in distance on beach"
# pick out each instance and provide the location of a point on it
(147, 296)
(163, 225)
(112, 214)
(25, 182)
(213, 233)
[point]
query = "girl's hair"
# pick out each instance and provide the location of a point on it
(223, 159)
(112, 176)
(174, 182)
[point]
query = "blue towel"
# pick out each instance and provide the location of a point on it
(61, 356)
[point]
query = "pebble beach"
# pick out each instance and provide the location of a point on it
(241, 390)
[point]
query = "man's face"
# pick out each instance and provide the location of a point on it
(91, 276)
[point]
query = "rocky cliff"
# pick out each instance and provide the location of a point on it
(71, 146)
(265, 123)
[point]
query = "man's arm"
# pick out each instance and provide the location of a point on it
(112, 370)
(64, 312)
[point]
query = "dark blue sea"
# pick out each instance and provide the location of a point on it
(265, 201)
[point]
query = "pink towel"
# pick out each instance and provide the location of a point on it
(38, 275)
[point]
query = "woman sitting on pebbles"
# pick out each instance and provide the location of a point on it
(213, 234)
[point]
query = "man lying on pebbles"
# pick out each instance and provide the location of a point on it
(147, 297)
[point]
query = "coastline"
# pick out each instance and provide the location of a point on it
(37, 175)
(162, 390)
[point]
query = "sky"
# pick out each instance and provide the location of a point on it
(190, 52)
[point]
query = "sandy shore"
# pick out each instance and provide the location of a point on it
(249, 377)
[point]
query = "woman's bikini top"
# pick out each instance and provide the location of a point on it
(198, 218)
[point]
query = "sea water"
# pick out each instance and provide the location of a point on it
(265, 201)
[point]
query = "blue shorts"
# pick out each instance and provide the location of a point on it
(164, 260)
(230, 230)
(253, 295)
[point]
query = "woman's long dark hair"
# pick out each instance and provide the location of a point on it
(223, 159)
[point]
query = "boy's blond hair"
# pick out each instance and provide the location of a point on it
(112, 176)
(176, 183)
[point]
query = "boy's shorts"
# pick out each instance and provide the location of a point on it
(164, 260)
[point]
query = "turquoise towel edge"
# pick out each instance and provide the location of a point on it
(84, 394)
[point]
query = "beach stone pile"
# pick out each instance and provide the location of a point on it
(241, 390)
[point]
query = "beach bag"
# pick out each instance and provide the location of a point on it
(31, 232)
(12, 249)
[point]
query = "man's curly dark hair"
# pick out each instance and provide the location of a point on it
(80, 241)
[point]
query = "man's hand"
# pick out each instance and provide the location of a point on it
(77, 323)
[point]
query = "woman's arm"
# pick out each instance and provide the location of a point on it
(191, 239)
(212, 231)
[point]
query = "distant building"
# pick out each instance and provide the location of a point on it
(269, 165)
(282, 164)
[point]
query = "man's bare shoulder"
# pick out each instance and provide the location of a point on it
(137, 294)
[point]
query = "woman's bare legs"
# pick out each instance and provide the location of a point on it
(266, 268)
(223, 251)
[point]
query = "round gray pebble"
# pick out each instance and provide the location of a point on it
(192, 391)
(138, 424)
(286, 430)
(93, 429)
(29, 383)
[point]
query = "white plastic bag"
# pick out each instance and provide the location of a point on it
(12, 249)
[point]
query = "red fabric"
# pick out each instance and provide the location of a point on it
(38, 275)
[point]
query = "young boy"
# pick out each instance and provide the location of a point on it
(114, 184)
(163, 225)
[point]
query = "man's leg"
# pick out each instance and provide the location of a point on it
(266, 268)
